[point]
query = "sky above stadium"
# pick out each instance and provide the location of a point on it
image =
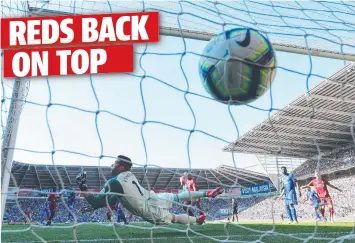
(164, 140)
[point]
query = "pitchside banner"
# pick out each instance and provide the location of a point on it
(43, 192)
(65, 45)
(255, 189)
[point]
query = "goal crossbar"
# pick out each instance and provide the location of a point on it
(206, 36)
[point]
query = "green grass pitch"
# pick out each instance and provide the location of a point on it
(209, 232)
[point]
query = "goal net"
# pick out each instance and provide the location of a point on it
(162, 118)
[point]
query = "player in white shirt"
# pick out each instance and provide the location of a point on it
(150, 206)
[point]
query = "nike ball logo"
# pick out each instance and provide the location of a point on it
(246, 41)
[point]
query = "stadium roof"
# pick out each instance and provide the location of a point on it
(42, 176)
(319, 121)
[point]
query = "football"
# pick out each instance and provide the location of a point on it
(238, 66)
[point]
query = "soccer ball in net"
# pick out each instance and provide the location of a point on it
(238, 66)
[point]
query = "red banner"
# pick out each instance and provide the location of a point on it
(66, 61)
(23, 193)
(88, 37)
(15, 223)
(79, 30)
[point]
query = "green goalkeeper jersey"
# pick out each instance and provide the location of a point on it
(131, 195)
(106, 196)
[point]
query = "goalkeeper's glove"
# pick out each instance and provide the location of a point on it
(81, 181)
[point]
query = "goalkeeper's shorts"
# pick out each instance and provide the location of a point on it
(159, 208)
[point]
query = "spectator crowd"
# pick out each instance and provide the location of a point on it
(264, 207)
(15, 209)
(343, 159)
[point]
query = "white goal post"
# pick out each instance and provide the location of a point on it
(19, 93)
(206, 36)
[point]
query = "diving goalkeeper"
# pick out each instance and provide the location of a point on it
(152, 207)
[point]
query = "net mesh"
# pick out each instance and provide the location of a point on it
(87, 120)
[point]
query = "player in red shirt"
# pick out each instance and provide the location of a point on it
(321, 187)
(53, 202)
(191, 186)
(110, 209)
(28, 213)
(183, 181)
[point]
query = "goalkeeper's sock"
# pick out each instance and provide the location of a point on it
(215, 192)
(294, 215)
(288, 212)
(184, 219)
(187, 196)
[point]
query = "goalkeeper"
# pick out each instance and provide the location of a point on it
(152, 207)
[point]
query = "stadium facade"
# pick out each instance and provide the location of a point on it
(30, 176)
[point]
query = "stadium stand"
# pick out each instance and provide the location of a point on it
(250, 207)
(33, 180)
(343, 159)
(38, 176)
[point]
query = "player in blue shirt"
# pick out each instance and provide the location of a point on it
(71, 204)
(313, 197)
(120, 213)
(289, 185)
(45, 211)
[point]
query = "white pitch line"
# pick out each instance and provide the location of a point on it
(194, 237)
